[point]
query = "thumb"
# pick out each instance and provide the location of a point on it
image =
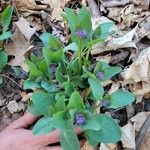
(25, 121)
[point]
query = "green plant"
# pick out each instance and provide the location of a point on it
(69, 83)
(5, 18)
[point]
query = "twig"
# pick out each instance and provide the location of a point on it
(143, 130)
(94, 8)
(2, 75)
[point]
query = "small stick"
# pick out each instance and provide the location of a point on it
(2, 75)
(143, 130)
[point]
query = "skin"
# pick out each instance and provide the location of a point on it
(18, 137)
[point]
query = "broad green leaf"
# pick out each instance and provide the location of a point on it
(34, 59)
(6, 17)
(71, 18)
(60, 104)
(109, 132)
(69, 89)
(76, 101)
(5, 35)
(91, 124)
(33, 109)
(84, 18)
(100, 66)
(49, 87)
(34, 71)
(43, 126)
(72, 47)
(45, 39)
(60, 71)
(3, 59)
(102, 31)
(54, 43)
(29, 84)
(69, 140)
(120, 99)
(62, 120)
(91, 142)
(110, 72)
(42, 101)
(97, 89)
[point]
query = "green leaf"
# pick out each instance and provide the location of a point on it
(45, 39)
(62, 120)
(102, 31)
(6, 17)
(60, 71)
(109, 133)
(120, 99)
(69, 140)
(72, 47)
(91, 124)
(69, 89)
(49, 87)
(92, 142)
(84, 18)
(54, 43)
(100, 66)
(97, 89)
(3, 59)
(5, 35)
(110, 72)
(76, 101)
(33, 109)
(34, 71)
(29, 84)
(71, 18)
(43, 126)
(42, 101)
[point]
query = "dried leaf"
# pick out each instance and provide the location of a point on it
(108, 146)
(128, 136)
(116, 43)
(136, 72)
(139, 119)
(18, 47)
(25, 28)
(25, 96)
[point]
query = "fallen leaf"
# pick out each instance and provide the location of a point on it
(18, 47)
(26, 5)
(56, 6)
(128, 136)
(136, 72)
(139, 119)
(113, 43)
(14, 107)
(25, 96)
(25, 28)
(112, 146)
(87, 147)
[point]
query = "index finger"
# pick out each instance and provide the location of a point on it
(53, 137)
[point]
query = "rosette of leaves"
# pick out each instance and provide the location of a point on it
(68, 82)
(5, 18)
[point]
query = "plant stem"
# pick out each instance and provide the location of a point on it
(80, 58)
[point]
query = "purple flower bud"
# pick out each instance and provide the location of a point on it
(80, 119)
(81, 33)
(105, 103)
(100, 75)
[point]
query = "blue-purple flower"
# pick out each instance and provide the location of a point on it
(105, 103)
(100, 75)
(81, 33)
(79, 119)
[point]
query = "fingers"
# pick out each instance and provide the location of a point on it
(25, 121)
(53, 137)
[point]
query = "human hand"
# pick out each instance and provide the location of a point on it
(17, 137)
